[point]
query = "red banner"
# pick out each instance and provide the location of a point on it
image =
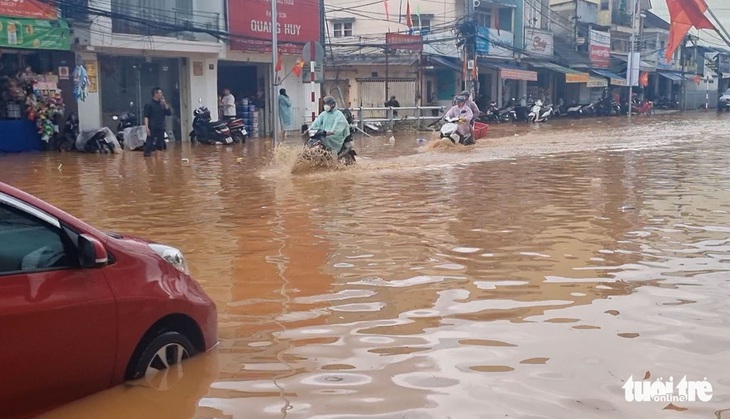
(600, 55)
(33, 9)
(249, 23)
(404, 42)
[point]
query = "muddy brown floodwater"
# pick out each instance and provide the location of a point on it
(528, 277)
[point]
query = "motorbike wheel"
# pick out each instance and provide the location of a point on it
(238, 137)
(193, 138)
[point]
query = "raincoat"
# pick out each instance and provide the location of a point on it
(462, 112)
(284, 112)
(335, 122)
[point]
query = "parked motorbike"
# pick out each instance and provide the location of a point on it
(238, 130)
(491, 114)
(207, 132)
(315, 149)
(450, 130)
(575, 110)
(540, 112)
(126, 120)
(100, 140)
(643, 108)
(66, 138)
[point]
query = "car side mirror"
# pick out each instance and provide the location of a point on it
(92, 253)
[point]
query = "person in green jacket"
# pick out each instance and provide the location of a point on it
(333, 121)
(284, 112)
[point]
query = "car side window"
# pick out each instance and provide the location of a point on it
(29, 244)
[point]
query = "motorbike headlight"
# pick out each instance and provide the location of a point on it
(171, 255)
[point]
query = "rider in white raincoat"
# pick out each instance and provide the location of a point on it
(463, 112)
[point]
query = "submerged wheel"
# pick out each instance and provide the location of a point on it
(238, 137)
(166, 350)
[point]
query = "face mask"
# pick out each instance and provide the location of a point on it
(327, 108)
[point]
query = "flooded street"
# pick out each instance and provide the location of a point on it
(527, 277)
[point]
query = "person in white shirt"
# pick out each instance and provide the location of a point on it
(228, 103)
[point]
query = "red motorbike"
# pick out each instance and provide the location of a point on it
(644, 108)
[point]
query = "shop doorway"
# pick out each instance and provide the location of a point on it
(129, 80)
(248, 85)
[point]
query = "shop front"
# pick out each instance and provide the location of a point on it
(36, 76)
(512, 81)
(566, 82)
(249, 70)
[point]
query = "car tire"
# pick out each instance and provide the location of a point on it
(165, 350)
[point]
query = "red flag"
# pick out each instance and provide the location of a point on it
(297, 70)
(644, 79)
(496, 22)
(409, 22)
(684, 14)
(278, 63)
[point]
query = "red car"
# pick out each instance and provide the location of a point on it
(83, 310)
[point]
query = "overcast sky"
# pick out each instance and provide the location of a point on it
(721, 8)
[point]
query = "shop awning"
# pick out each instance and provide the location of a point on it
(594, 81)
(39, 34)
(571, 76)
(671, 76)
(614, 79)
(510, 72)
(450, 63)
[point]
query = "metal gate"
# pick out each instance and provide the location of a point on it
(372, 95)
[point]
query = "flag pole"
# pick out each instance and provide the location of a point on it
(274, 83)
(726, 37)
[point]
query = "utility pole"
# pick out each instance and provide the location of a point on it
(470, 46)
(683, 54)
(634, 59)
(275, 75)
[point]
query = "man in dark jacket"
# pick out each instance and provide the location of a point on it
(154, 120)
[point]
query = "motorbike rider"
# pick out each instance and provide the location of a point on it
(474, 109)
(333, 121)
(462, 111)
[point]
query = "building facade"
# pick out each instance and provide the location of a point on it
(192, 49)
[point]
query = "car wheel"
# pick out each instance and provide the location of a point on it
(161, 353)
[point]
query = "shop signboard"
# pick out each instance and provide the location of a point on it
(600, 49)
(249, 23)
(34, 34)
(494, 43)
(403, 42)
(539, 42)
(34, 9)
(663, 63)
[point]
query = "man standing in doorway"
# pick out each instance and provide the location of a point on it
(154, 121)
(228, 102)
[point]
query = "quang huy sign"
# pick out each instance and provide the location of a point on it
(249, 23)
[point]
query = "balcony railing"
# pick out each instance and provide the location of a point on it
(181, 23)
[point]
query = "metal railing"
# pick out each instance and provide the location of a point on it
(389, 117)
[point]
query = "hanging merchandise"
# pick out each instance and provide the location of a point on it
(81, 83)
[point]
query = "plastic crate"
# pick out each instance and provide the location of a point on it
(480, 130)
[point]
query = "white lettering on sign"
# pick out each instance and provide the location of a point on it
(290, 29)
(265, 27)
(262, 26)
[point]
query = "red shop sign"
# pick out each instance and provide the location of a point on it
(27, 8)
(249, 22)
(404, 42)
(600, 55)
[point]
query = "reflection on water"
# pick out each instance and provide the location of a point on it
(528, 276)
